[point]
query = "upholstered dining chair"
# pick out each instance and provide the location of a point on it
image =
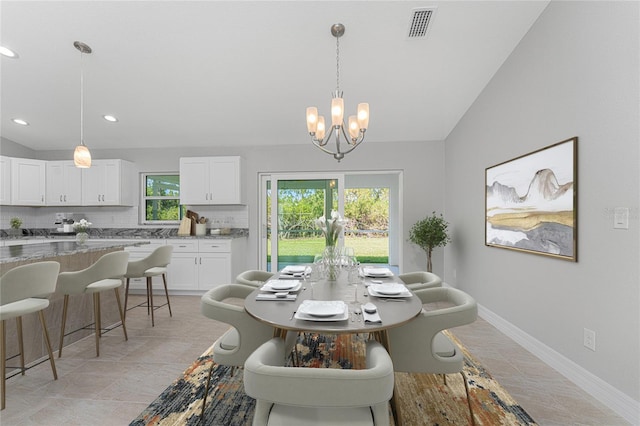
(104, 274)
(254, 278)
(24, 290)
(242, 338)
(312, 396)
(151, 266)
(420, 279)
(420, 346)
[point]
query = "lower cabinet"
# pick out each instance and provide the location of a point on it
(197, 265)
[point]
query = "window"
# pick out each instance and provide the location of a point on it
(161, 199)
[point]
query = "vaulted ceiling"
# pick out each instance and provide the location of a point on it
(225, 73)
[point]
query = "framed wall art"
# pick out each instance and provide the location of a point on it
(531, 202)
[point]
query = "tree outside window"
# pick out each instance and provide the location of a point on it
(162, 198)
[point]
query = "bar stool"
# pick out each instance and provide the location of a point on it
(23, 290)
(105, 274)
(151, 266)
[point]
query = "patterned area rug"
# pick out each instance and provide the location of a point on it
(424, 399)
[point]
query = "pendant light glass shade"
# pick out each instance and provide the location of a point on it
(82, 157)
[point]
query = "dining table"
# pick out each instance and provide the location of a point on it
(285, 302)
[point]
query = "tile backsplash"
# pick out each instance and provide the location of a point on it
(119, 217)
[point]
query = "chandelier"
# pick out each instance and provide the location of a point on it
(357, 124)
(81, 155)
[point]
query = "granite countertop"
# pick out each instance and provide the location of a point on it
(120, 233)
(62, 248)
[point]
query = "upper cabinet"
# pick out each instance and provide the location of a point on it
(28, 182)
(211, 180)
(64, 184)
(109, 183)
(5, 180)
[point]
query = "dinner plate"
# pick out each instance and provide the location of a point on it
(302, 315)
(294, 269)
(281, 285)
(388, 289)
(404, 293)
(378, 272)
(322, 308)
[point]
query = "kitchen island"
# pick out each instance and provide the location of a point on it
(72, 257)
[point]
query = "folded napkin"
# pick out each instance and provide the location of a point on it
(272, 296)
(372, 318)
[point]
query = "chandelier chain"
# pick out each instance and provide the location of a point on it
(338, 65)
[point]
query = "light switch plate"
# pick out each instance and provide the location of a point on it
(621, 218)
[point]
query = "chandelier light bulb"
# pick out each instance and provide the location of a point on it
(321, 128)
(363, 115)
(337, 111)
(354, 128)
(312, 119)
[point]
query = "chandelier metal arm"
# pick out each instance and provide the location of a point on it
(338, 154)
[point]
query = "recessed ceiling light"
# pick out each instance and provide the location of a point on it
(5, 51)
(110, 118)
(20, 121)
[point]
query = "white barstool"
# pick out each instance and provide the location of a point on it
(23, 290)
(151, 266)
(105, 274)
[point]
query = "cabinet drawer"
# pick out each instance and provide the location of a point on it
(184, 245)
(214, 246)
(146, 248)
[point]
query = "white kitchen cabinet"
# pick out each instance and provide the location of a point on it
(28, 182)
(197, 265)
(5, 180)
(109, 183)
(211, 180)
(64, 184)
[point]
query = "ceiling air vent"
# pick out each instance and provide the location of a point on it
(420, 22)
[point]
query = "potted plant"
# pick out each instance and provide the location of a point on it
(15, 223)
(429, 233)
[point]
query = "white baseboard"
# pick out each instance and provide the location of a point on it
(622, 404)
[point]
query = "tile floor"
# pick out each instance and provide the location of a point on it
(114, 388)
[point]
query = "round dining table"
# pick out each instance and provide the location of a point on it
(281, 313)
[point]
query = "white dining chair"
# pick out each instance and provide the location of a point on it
(419, 346)
(318, 396)
(242, 338)
(24, 290)
(420, 279)
(104, 274)
(254, 278)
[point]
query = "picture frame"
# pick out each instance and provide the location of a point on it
(531, 202)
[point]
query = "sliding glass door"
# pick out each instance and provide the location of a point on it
(290, 204)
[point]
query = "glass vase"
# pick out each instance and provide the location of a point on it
(331, 259)
(81, 237)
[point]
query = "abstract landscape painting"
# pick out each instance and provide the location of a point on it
(531, 202)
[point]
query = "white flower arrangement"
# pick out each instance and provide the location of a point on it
(331, 228)
(82, 226)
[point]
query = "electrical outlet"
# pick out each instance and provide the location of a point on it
(590, 339)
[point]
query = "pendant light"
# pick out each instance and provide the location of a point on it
(81, 155)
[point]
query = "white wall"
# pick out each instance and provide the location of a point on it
(576, 73)
(422, 164)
